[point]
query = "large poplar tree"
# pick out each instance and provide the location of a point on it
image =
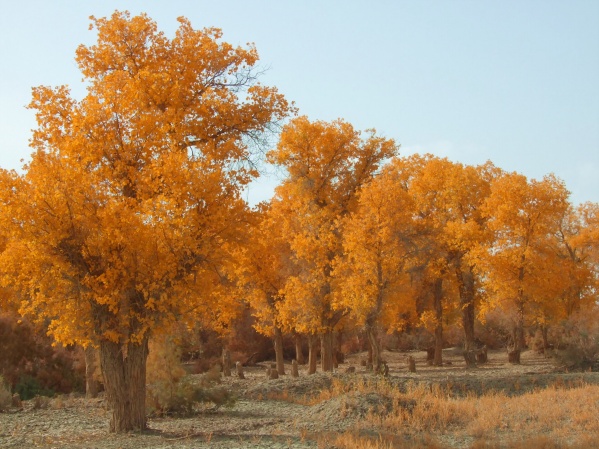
(125, 217)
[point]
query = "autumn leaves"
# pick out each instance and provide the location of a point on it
(130, 216)
(420, 241)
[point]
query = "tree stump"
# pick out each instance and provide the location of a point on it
(239, 370)
(226, 363)
(16, 401)
(470, 357)
(383, 369)
(481, 355)
(274, 374)
(350, 369)
(268, 373)
(294, 370)
(513, 356)
(363, 362)
(411, 364)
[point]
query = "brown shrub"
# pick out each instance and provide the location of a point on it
(30, 363)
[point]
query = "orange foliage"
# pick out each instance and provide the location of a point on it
(127, 214)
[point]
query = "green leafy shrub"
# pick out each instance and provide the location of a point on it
(28, 387)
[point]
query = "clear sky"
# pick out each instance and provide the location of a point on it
(512, 81)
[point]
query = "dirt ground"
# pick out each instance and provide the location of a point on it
(260, 418)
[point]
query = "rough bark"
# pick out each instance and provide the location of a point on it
(326, 351)
(91, 383)
(438, 305)
(124, 371)
(466, 288)
(374, 345)
(312, 354)
(279, 351)
(299, 353)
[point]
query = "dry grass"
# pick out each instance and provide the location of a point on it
(561, 416)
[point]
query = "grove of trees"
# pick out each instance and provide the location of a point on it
(130, 217)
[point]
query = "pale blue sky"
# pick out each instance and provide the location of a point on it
(514, 82)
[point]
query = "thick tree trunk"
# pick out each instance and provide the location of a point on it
(312, 354)
(438, 304)
(326, 351)
(374, 346)
(279, 351)
(91, 383)
(519, 340)
(299, 353)
(124, 371)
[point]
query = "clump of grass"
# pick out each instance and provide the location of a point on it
(41, 402)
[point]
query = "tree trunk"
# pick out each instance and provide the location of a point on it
(326, 351)
(299, 353)
(312, 353)
(544, 333)
(91, 384)
(375, 346)
(466, 284)
(519, 340)
(279, 351)
(226, 363)
(438, 304)
(124, 371)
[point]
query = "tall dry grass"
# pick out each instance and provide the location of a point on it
(422, 416)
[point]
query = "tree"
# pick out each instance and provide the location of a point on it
(327, 163)
(375, 287)
(264, 264)
(524, 216)
(129, 209)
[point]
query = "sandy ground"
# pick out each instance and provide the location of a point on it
(259, 418)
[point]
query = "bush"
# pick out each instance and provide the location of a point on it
(29, 387)
(170, 391)
(31, 365)
(187, 394)
(579, 342)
